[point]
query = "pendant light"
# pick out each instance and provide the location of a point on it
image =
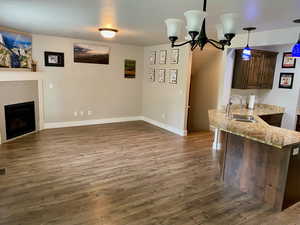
(246, 55)
(296, 48)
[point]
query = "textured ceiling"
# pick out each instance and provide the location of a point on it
(140, 22)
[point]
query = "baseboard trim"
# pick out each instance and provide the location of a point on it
(165, 126)
(115, 120)
(91, 122)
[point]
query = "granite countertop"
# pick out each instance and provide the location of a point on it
(259, 131)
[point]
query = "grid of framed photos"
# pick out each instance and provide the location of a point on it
(158, 70)
(286, 79)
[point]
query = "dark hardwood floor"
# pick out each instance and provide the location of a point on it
(118, 174)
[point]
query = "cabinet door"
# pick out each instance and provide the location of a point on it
(240, 72)
(257, 73)
(255, 67)
(268, 70)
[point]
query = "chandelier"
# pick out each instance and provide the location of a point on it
(197, 32)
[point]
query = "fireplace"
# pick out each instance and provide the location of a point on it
(19, 119)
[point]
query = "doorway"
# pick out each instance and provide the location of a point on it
(205, 81)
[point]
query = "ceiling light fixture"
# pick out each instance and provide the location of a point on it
(108, 32)
(246, 55)
(296, 48)
(196, 29)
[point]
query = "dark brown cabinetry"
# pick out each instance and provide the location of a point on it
(273, 120)
(257, 73)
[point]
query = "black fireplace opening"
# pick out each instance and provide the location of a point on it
(19, 119)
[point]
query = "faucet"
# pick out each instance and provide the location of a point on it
(228, 106)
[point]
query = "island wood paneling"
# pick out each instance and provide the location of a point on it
(268, 173)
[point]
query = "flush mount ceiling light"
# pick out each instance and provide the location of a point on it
(296, 48)
(197, 32)
(246, 55)
(108, 32)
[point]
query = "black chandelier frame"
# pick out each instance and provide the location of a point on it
(202, 39)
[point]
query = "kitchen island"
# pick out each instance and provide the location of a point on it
(258, 158)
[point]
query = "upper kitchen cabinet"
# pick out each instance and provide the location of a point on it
(257, 73)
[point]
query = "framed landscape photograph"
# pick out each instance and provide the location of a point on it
(89, 53)
(152, 58)
(15, 49)
(55, 59)
(161, 75)
(151, 74)
(163, 57)
(288, 61)
(130, 68)
(286, 80)
(174, 56)
(173, 76)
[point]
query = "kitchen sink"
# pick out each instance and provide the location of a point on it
(243, 118)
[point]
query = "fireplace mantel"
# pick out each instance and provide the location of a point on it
(24, 75)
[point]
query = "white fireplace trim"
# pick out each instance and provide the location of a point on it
(21, 75)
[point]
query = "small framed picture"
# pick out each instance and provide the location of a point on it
(152, 58)
(286, 80)
(174, 56)
(288, 61)
(173, 76)
(161, 75)
(163, 57)
(55, 59)
(151, 74)
(129, 68)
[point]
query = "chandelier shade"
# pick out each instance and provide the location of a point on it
(174, 27)
(220, 32)
(230, 23)
(194, 19)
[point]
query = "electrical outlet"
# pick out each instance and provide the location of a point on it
(81, 113)
(50, 85)
(163, 116)
(90, 112)
(75, 113)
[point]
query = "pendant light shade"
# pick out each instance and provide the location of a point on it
(296, 49)
(174, 27)
(230, 23)
(246, 55)
(194, 19)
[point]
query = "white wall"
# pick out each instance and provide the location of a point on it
(206, 67)
(82, 87)
(166, 103)
(287, 98)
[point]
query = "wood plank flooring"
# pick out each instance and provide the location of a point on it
(118, 174)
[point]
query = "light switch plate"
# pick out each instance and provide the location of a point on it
(295, 151)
